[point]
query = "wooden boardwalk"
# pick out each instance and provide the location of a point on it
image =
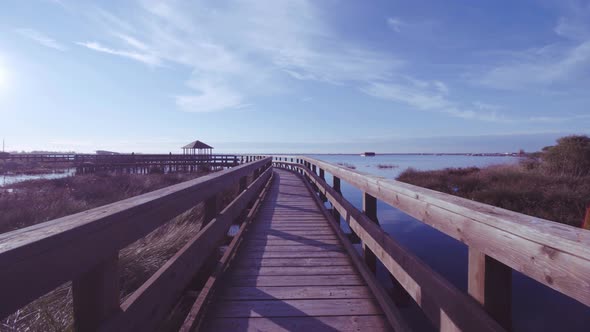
(293, 273)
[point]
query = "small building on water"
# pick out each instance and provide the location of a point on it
(197, 148)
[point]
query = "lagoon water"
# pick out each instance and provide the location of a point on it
(535, 306)
(7, 179)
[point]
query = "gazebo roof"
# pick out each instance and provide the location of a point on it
(197, 145)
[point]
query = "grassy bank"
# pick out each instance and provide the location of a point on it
(520, 188)
(41, 200)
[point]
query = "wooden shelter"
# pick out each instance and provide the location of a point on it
(197, 148)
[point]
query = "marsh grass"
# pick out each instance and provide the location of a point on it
(347, 165)
(521, 188)
(387, 166)
(41, 200)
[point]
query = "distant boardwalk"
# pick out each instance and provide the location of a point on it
(134, 163)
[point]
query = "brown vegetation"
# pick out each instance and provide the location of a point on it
(387, 166)
(551, 185)
(41, 200)
(347, 165)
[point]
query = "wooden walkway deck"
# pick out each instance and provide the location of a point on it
(293, 273)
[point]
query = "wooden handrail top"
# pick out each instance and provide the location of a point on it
(554, 254)
(559, 236)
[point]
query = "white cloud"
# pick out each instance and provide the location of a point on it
(41, 39)
(430, 96)
(238, 52)
(395, 24)
(146, 58)
(540, 67)
(563, 62)
(554, 119)
(210, 98)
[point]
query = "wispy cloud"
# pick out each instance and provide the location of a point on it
(563, 62)
(563, 118)
(233, 58)
(395, 24)
(41, 39)
(430, 96)
(146, 58)
(210, 98)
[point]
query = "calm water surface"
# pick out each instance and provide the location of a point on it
(535, 307)
(9, 179)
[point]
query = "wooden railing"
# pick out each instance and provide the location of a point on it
(83, 248)
(498, 241)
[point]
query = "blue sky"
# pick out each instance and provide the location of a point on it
(293, 76)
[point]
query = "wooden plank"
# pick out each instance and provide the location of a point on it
(554, 254)
(295, 308)
(293, 254)
(329, 280)
(258, 237)
(294, 292)
(292, 227)
(79, 242)
(306, 261)
(283, 242)
(320, 324)
(294, 232)
(294, 270)
(300, 248)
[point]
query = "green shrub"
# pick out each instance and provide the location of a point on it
(570, 157)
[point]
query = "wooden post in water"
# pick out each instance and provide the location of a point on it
(96, 295)
(490, 283)
(370, 210)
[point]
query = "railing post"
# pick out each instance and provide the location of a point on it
(96, 295)
(211, 209)
(336, 186)
(370, 210)
(243, 183)
(323, 177)
(490, 283)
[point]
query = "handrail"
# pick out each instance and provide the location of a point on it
(83, 247)
(499, 240)
(442, 303)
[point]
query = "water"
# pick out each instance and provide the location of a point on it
(535, 307)
(8, 179)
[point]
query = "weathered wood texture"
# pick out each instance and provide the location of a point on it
(198, 309)
(82, 247)
(442, 303)
(554, 254)
(310, 285)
